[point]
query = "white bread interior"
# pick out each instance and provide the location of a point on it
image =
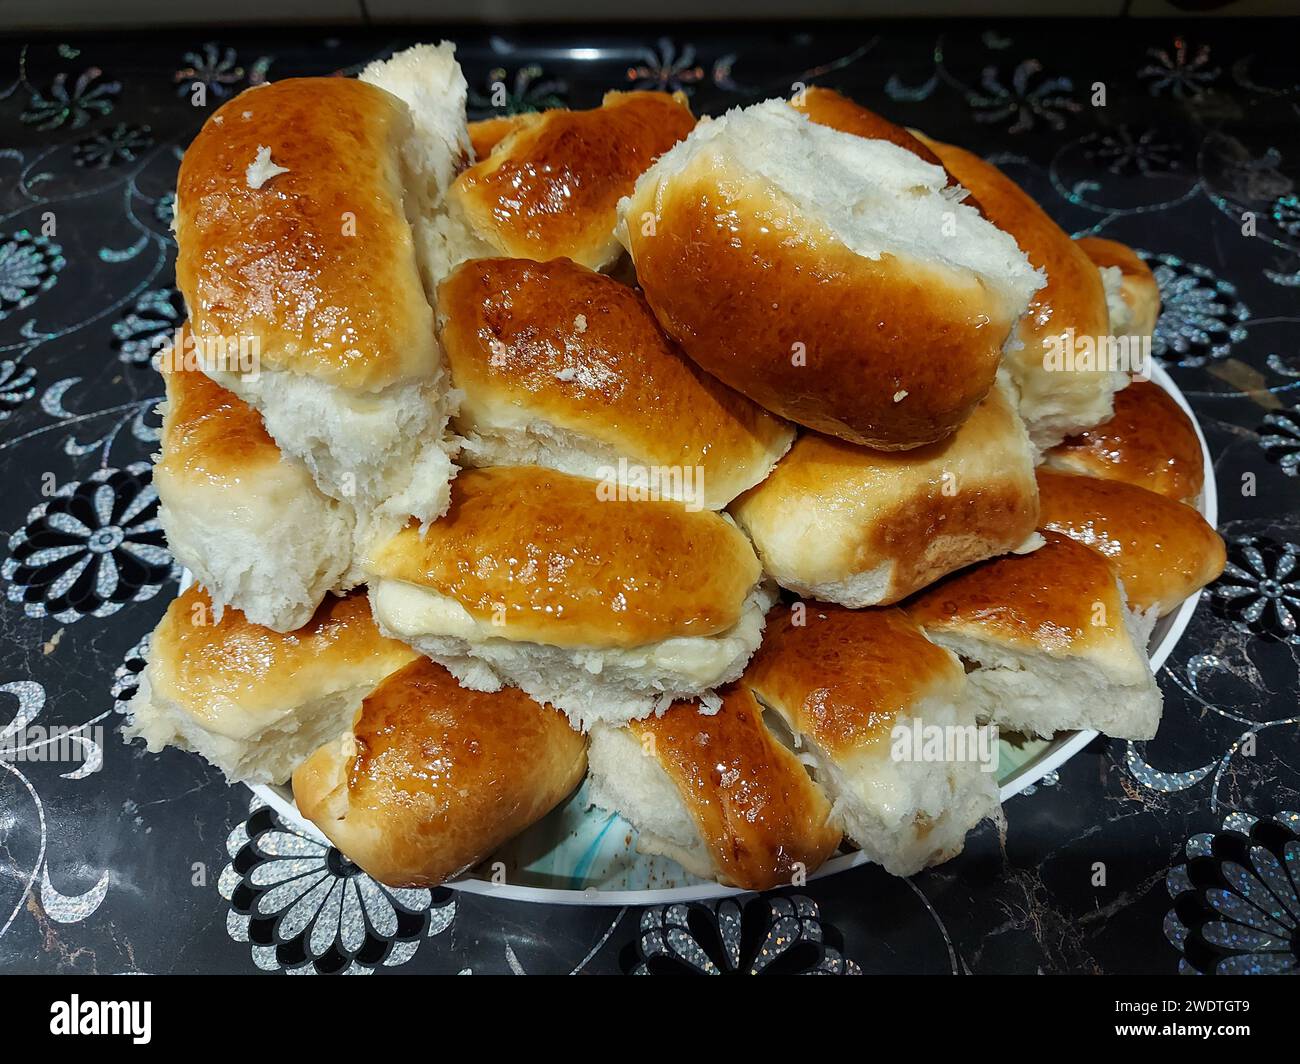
(612, 684)
(1038, 692)
(904, 815)
(429, 81)
(247, 748)
(274, 553)
(622, 779)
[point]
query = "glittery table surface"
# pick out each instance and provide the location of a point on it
(1149, 857)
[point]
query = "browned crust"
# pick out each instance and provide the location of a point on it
(208, 433)
(842, 677)
(1073, 296)
(1163, 550)
(1149, 442)
(885, 353)
(441, 775)
(1060, 597)
(582, 351)
(550, 188)
(204, 661)
(539, 553)
(333, 299)
(762, 817)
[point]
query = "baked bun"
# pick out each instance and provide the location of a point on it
(245, 519)
(252, 701)
(1150, 442)
(845, 524)
(605, 609)
(716, 793)
(1051, 641)
(1056, 397)
(294, 243)
(842, 681)
(565, 368)
(1132, 295)
(431, 778)
(1163, 550)
(834, 280)
(550, 187)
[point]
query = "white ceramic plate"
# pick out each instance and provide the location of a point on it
(581, 856)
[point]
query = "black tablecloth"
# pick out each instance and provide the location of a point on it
(1181, 141)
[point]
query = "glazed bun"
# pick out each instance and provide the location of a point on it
(1149, 442)
(836, 281)
(1163, 550)
(716, 793)
(565, 368)
(1056, 397)
(245, 519)
(252, 701)
(430, 778)
(606, 609)
(846, 524)
(550, 185)
(1051, 643)
(294, 243)
(842, 681)
(1132, 295)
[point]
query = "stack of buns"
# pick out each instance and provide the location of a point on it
(717, 462)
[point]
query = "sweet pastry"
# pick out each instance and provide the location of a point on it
(836, 281)
(1149, 441)
(605, 609)
(717, 793)
(430, 778)
(1051, 643)
(565, 368)
(299, 268)
(881, 715)
(1162, 550)
(1057, 361)
(549, 187)
(1132, 295)
(843, 523)
(247, 520)
(252, 701)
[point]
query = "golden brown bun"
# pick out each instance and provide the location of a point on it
(842, 677)
(1062, 598)
(338, 301)
(209, 435)
(813, 270)
(433, 777)
(557, 344)
(1163, 550)
(1138, 286)
(727, 263)
(1150, 442)
(550, 187)
(231, 675)
(761, 816)
(541, 555)
(487, 133)
(1053, 402)
(1048, 641)
(846, 524)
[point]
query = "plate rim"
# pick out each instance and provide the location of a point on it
(1051, 759)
